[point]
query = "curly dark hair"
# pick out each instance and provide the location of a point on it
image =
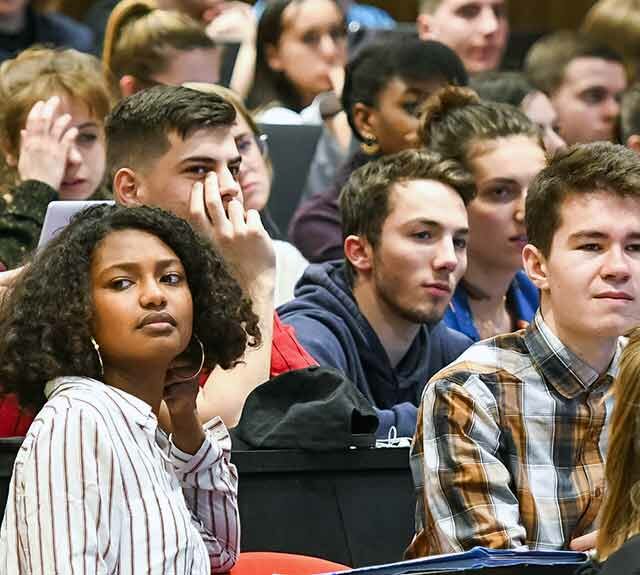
(45, 321)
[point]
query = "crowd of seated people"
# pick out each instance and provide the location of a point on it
(474, 239)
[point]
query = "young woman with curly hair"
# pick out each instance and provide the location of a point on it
(116, 315)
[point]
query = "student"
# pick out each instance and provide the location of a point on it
(476, 29)
(385, 85)
(21, 26)
(52, 138)
(97, 485)
(584, 81)
(616, 23)
(514, 88)
(173, 147)
(502, 151)
(630, 118)
(255, 177)
(511, 439)
(144, 46)
(301, 51)
(376, 315)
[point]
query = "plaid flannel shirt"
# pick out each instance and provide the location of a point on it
(509, 447)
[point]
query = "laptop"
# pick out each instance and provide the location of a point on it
(58, 215)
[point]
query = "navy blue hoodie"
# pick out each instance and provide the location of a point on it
(330, 326)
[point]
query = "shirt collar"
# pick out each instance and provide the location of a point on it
(560, 366)
(132, 407)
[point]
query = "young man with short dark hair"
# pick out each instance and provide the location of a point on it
(376, 315)
(173, 147)
(584, 82)
(477, 30)
(511, 438)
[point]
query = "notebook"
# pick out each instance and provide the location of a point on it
(58, 215)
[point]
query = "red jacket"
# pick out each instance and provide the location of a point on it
(286, 354)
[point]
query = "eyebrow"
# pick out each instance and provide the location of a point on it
(87, 125)
(209, 160)
(435, 224)
(133, 266)
(596, 235)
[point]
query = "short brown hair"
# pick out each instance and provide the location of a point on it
(39, 73)
(547, 60)
(365, 200)
(580, 169)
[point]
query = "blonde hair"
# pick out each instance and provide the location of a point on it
(39, 73)
(616, 24)
(141, 39)
(620, 517)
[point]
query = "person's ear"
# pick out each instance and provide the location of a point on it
(424, 26)
(129, 85)
(359, 253)
(127, 189)
(535, 264)
(365, 120)
(633, 142)
(273, 59)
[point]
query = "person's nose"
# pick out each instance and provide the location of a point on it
(488, 21)
(611, 108)
(328, 47)
(152, 295)
(74, 157)
(615, 265)
(520, 207)
(446, 256)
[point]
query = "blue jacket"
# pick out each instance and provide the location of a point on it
(522, 298)
(330, 326)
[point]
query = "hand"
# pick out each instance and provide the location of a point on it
(239, 236)
(46, 144)
(7, 279)
(584, 543)
(235, 22)
(336, 77)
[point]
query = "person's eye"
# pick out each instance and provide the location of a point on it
(311, 38)
(635, 248)
(423, 235)
(338, 33)
(235, 170)
(120, 284)
(411, 107)
(86, 138)
(469, 11)
(501, 193)
(500, 11)
(199, 171)
(460, 243)
(592, 247)
(244, 145)
(593, 96)
(172, 278)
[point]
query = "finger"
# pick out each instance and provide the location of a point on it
(213, 201)
(584, 543)
(49, 113)
(254, 222)
(236, 215)
(60, 126)
(33, 117)
(197, 213)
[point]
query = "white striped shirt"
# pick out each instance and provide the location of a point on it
(98, 488)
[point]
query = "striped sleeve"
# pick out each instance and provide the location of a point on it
(62, 498)
(467, 496)
(210, 487)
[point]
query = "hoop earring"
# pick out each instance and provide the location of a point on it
(370, 146)
(97, 348)
(197, 373)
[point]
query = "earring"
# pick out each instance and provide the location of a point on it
(97, 348)
(370, 146)
(197, 373)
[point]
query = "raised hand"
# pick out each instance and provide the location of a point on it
(46, 144)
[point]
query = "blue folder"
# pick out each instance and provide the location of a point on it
(478, 558)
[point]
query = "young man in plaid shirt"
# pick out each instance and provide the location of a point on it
(511, 439)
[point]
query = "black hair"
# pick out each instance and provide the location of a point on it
(506, 87)
(397, 56)
(46, 318)
(137, 128)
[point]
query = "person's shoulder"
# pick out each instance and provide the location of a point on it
(63, 30)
